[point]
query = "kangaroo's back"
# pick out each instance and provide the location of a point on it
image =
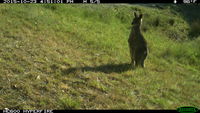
(137, 43)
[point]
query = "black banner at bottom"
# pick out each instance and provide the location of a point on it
(88, 111)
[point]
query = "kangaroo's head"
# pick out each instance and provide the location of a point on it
(137, 20)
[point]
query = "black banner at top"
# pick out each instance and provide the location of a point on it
(97, 1)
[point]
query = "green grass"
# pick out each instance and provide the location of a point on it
(77, 57)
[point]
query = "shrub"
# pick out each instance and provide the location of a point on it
(156, 22)
(195, 29)
(171, 22)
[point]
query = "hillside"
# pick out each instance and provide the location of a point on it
(77, 57)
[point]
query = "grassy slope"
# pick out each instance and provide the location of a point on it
(76, 56)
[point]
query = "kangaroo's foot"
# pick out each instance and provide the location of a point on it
(142, 64)
(139, 64)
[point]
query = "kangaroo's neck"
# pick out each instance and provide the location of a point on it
(136, 30)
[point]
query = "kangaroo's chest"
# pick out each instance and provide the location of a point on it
(136, 39)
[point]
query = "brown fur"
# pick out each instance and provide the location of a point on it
(137, 43)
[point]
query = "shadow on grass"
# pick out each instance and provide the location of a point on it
(108, 68)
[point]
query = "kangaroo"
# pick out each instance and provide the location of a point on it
(137, 43)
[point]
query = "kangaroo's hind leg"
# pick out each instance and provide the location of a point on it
(143, 58)
(132, 55)
(139, 58)
(139, 63)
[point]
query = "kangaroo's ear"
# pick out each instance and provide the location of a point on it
(135, 14)
(141, 15)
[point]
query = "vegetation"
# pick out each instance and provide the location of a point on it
(77, 57)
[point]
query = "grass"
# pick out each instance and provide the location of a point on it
(77, 57)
